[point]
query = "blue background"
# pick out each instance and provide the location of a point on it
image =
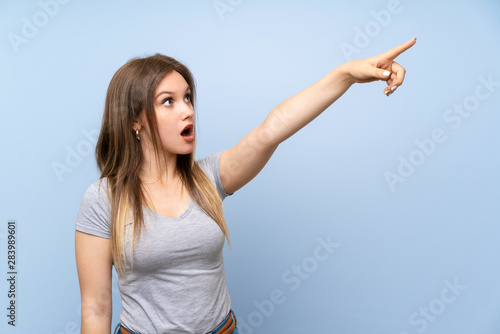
(398, 248)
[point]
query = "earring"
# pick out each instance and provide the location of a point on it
(137, 134)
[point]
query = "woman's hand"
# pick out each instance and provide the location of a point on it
(380, 67)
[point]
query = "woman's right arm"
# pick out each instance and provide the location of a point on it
(94, 264)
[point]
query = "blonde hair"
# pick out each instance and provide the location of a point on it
(119, 154)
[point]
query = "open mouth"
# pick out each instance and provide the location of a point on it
(188, 132)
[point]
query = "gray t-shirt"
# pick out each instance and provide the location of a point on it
(178, 282)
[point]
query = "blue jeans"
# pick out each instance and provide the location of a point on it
(219, 326)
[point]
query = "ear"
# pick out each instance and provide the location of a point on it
(139, 121)
(136, 125)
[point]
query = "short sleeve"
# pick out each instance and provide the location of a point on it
(210, 165)
(93, 216)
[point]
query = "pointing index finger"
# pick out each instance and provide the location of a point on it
(394, 52)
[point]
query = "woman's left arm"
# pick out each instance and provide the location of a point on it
(241, 163)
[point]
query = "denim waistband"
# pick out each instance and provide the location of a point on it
(213, 331)
(226, 319)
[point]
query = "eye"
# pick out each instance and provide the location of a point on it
(167, 102)
(188, 98)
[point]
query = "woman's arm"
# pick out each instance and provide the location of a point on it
(241, 163)
(94, 264)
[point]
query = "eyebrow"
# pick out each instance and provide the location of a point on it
(171, 93)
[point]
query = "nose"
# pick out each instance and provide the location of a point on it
(187, 111)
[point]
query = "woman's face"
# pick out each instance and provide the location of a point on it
(174, 115)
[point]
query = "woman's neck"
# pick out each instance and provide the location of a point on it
(161, 174)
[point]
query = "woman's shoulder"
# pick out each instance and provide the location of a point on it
(96, 194)
(97, 188)
(209, 162)
(210, 166)
(93, 215)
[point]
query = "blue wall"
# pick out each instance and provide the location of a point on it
(381, 216)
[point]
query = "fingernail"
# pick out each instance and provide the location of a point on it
(394, 88)
(386, 73)
(387, 92)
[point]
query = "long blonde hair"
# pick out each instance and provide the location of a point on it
(119, 154)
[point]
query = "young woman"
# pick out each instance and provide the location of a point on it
(156, 213)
